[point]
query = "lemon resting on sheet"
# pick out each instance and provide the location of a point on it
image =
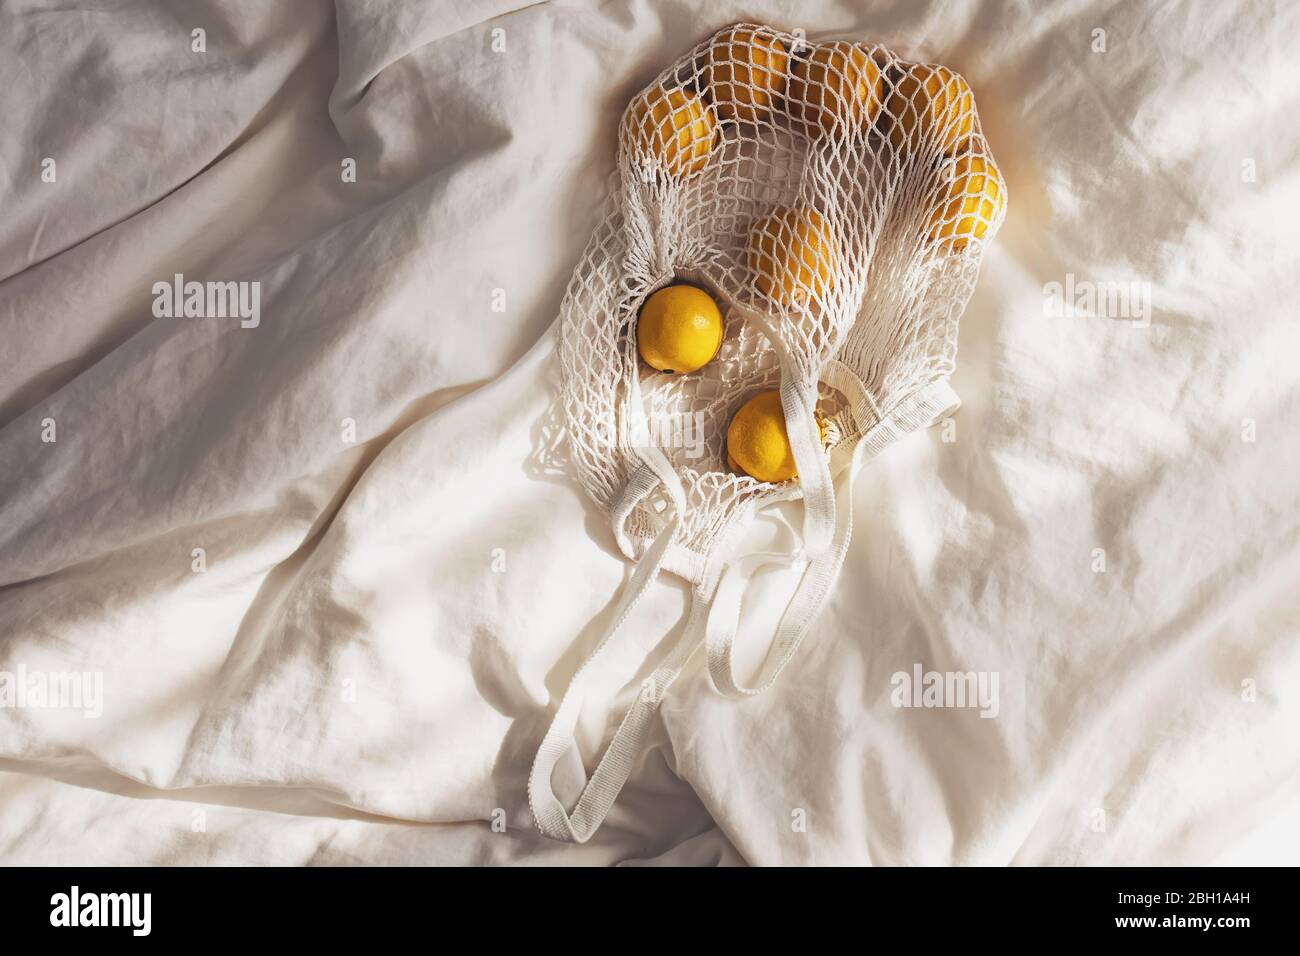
(680, 329)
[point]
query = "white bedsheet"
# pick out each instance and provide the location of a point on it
(365, 666)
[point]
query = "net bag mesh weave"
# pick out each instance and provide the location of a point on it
(835, 200)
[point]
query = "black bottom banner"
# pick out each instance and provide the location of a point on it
(337, 906)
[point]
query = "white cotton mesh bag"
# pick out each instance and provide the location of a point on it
(835, 200)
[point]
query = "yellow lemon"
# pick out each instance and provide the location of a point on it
(792, 255)
(930, 102)
(680, 329)
(744, 70)
(976, 195)
(757, 442)
(837, 83)
(673, 128)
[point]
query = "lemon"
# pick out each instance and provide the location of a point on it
(837, 83)
(930, 101)
(976, 195)
(673, 128)
(792, 255)
(744, 70)
(757, 441)
(680, 329)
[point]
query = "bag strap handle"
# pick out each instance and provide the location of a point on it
(826, 531)
(921, 408)
(799, 402)
(602, 789)
(806, 602)
(599, 794)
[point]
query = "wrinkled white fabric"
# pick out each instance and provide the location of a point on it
(384, 626)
